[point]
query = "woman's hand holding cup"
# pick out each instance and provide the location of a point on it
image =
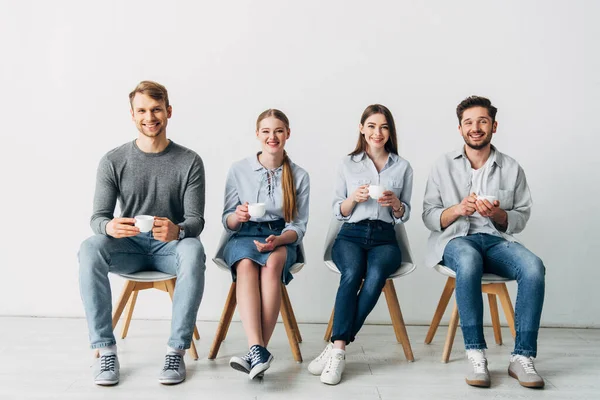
(361, 194)
(241, 213)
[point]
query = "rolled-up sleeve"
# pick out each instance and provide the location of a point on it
(432, 203)
(340, 194)
(299, 223)
(405, 196)
(232, 199)
(521, 211)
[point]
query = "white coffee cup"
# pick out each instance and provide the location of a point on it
(256, 210)
(144, 222)
(376, 191)
(489, 198)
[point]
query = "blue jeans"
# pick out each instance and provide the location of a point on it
(101, 254)
(365, 250)
(470, 256)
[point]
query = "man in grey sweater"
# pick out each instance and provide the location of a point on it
(149, 176)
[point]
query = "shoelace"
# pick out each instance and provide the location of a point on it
(325, 353)
(479, 364)
(172, 362)
(248, 357)
(255, 354)
(527, 364)
(333, 363)
(107, 362)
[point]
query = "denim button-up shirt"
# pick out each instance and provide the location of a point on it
(248, 181)
(450, 182)
(358, 170)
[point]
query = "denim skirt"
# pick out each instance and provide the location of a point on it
(241, 245)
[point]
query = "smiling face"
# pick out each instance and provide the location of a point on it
(376, 131)
(272, 133)
(477, 127)
(150, 115)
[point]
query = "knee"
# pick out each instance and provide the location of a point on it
(190, 253)
(351, 276)
(90, 251)
(534, 270)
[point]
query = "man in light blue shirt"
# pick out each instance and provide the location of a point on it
(476, 199)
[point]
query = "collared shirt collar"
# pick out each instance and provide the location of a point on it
(461, 153)
(392, 158)
(256, 165)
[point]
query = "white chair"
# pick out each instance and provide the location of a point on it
(406, 267)
(287, 312)
(141, 281)
(492, 285)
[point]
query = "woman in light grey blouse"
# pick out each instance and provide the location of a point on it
(366, 246)
(264, 238)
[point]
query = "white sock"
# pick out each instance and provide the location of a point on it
(108, 349)
(476, 353)
(338, 351)
(172, 350)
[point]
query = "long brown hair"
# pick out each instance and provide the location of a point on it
(287, 180)
(391, 146)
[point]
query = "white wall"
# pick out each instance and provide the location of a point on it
(67, 67)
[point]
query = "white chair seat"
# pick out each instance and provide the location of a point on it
(486, 278)
(406, 267)
(148, 276)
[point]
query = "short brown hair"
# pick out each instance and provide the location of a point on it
(475, 101)
(153, 89)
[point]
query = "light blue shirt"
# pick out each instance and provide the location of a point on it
(396, 175)
(450, 182)
(248, 181)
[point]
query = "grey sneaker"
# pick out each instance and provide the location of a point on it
(317, 365)
(174, 370)
(522, 369)
(106, 370)
(478, 374)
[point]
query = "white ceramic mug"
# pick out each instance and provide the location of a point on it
(144, 222)
(489, 198)
(376, 191)
(256, 210)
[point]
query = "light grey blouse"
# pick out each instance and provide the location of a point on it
(248, 181)
(357, 170)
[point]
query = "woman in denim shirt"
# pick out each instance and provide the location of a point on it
(366, 246)
(262, 248)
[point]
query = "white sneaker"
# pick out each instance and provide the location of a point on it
(332, 373)
(317, 365)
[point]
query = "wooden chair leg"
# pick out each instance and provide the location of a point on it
(495, 318)
(284, 292)
(289, 327)
(196, 333)
(397, 321)
(127, 290)
(329, 329)
(129, 313)
(451, 333)
(170, 288)
(507, 306)
(441, 308)
(224, 323)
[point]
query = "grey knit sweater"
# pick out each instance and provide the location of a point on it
(168, 184)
